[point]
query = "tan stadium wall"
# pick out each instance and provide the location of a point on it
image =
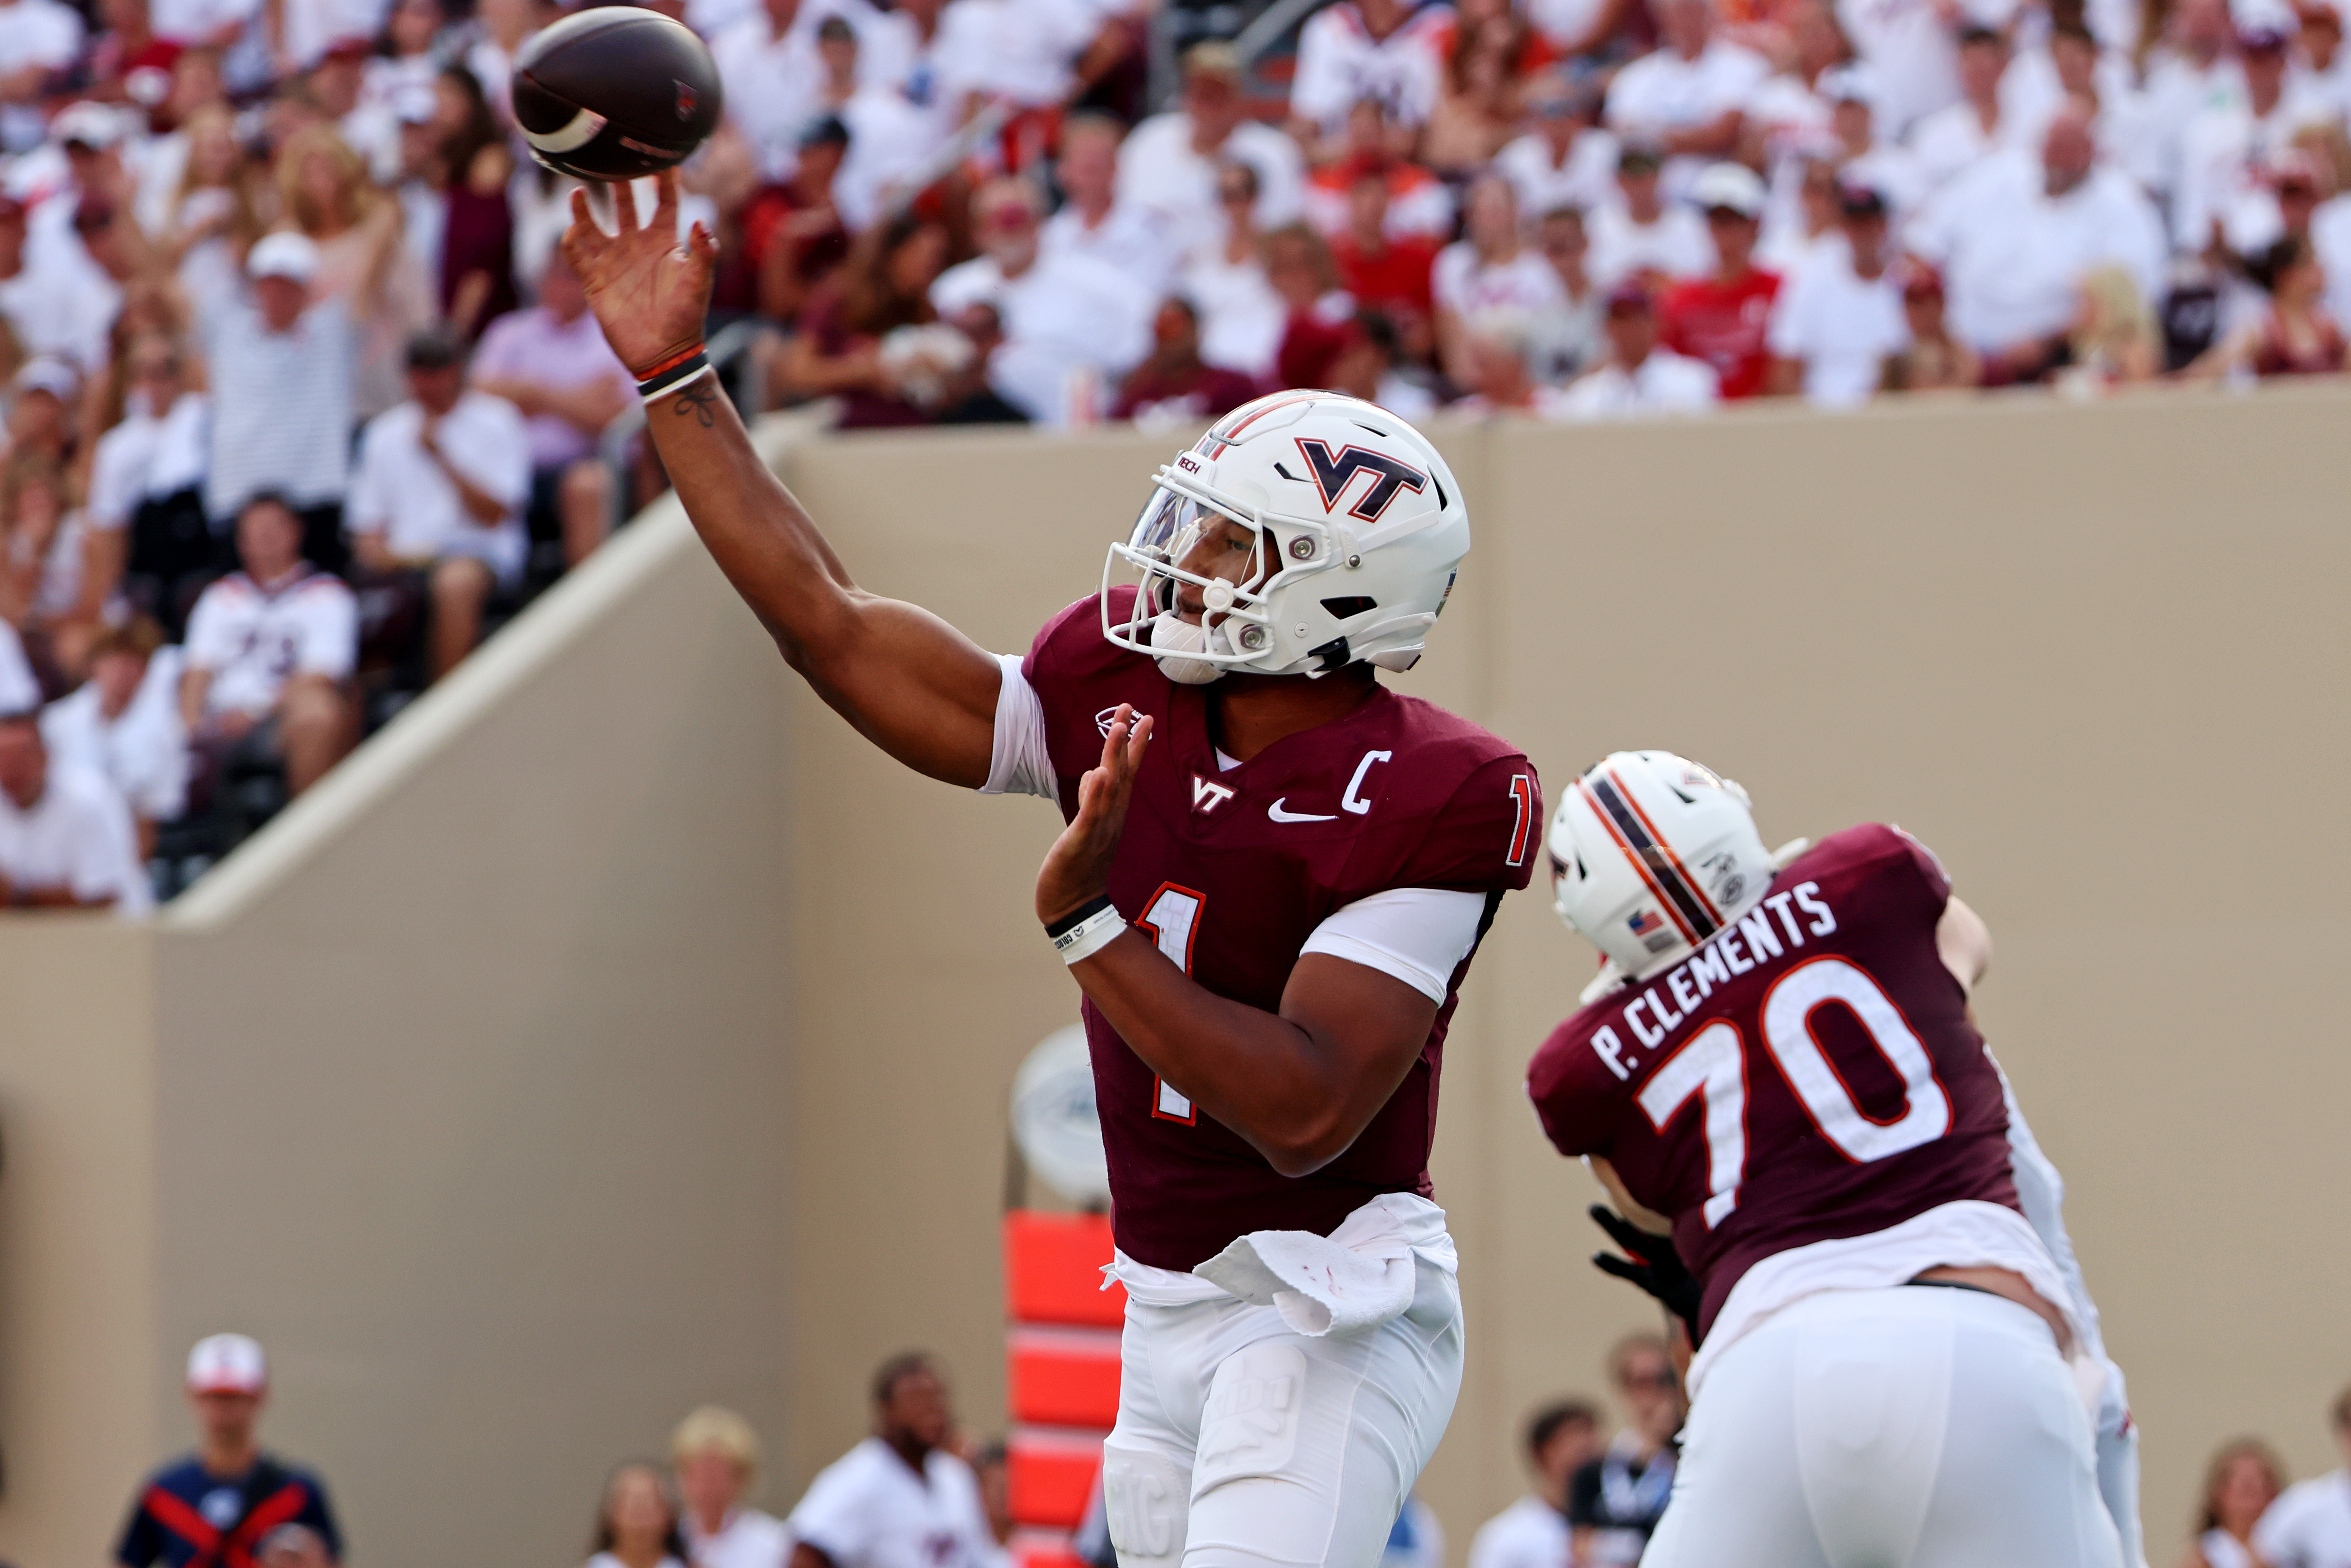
(619, 1031)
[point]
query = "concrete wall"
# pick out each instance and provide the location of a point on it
(621, 1031)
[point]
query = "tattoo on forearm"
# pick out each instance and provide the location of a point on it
(698, 399)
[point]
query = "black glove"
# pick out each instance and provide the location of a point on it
(1650, 1262)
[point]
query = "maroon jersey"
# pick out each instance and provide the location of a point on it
(1230, 871)
(1810, 1073)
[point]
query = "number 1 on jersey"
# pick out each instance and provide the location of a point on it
(1172, 919)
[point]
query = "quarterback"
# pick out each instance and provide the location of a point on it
(1897, 1361)
(1272, 877)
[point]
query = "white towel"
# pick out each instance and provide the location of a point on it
(1360, 1276)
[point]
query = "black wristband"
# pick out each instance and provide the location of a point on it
(1079, 915)
(674, 375)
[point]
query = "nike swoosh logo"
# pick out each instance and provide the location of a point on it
(1278, 815)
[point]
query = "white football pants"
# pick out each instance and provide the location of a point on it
(1914, 1427)
(1243, 1444)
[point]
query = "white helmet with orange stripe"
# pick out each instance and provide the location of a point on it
(1305, 531)
(1651, 854)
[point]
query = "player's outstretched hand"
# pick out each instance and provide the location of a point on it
(1077, 868)
(1650, 1262)
(651, 291)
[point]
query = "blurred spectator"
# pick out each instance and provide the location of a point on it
(1170, 163)
(438, 492)
(552, 363)
(475, 279)
(217, 1503)
(1478, 108)
(717, 1456)
(1418, 201)
(1947, 143)
(1565, 339)
(2225, 148)
(883, 291)
(1141, 241)
(1851, 94)
(1688, 98)
(1387, 50)
(1071, 324)
(2310, 1525)
(123, 725)
(1638, 377)
(354, 229)
(282, 369)
(2243, 1479)
(1491, 353)
(1492, 269)
(1641, 237)
(207, 214)
(1532, 1533)
(1721, 316)
(1565, 159)
(57, 309)
(20, 690)
(1841, 318)
(1241, 318)
(768, 68)
(1372, 365)
(899, 1496)
(1614, 1501)
(146, 534)
(1794, 227)
(1319, 325)
(1933, 361)
(1912, 48)
(2114, 338)
(2015, 241)
(1173, 385)
(793, 235)
(270, 652)
(2297, 335)
(993, 1467)
(637, 1521)
(36, 36)
(66, 837)
(1384, 271)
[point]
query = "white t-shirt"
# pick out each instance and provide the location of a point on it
(1139, 241)
(1586, 179)
(1676, 244)
(2013, 258)
(1841, 326)
(254, 639)
(76, 835)
(2309, 1526)
(1913, 52)
(142, 751)
(1470, 288)
(33, 33)
(1064, 314)
(20, 692)
(773, 86)
(400, 493)
(1339, 63)
(63, 309)
(869, 1510)
(1033, 47)
(1529, 1534)
(282, 409)
(1665, 383)
(749, 1539)
(889, 141)
(1662, 92)
(1241, 318)
(1159, 169)
(147, 456)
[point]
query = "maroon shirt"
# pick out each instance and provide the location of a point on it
(1811, 1073)
(1232, 891)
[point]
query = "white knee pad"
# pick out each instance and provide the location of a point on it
(1147, 1497)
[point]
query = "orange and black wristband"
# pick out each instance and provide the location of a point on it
(672, 374)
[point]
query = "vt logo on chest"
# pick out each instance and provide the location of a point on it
(1209, 795)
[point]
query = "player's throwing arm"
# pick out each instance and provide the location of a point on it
(1273, 876)
(1778, 1064)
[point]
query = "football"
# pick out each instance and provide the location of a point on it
(615, 92)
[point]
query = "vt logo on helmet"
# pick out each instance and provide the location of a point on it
(1305, 532)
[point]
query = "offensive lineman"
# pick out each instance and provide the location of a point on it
(1896, 1361)
(1272, 879)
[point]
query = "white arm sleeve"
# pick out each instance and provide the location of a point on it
(1021, 764)
(1419, 935)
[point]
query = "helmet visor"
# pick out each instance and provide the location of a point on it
(1180, 539)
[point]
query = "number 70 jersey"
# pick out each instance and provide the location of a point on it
(1808, 1075)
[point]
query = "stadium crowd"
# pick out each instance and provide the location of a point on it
(301, 400)
(918, 1490)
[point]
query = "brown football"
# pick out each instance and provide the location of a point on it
(615, 92)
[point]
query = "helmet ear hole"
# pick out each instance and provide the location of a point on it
(1351, 605)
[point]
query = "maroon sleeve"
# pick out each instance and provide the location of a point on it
(1577, 1100)
(1486, 837)
(1075, 672)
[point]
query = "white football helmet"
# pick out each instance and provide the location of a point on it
(1652, 855)
(1359, 530)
